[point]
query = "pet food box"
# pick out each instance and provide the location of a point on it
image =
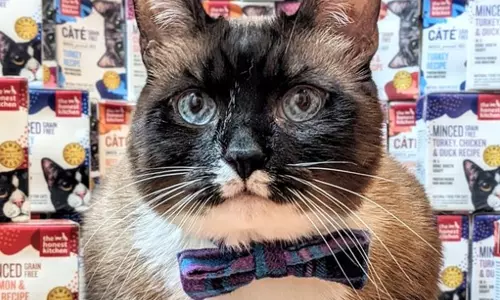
(91, 37)
(454, 235)
(236, 9)
(59, 150)
(459, 150)
(39, 260)
(114, 126)
(483, 67)
(444, 46)
(384, 105)
(483, 282)
(136, 71)
(20, 40)
(395, 65)
(402, 138)
(94, 141)
(49, 45)
(14, 202)
(496, 257)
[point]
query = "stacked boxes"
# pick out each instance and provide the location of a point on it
(444, 46)
(14, 202)
(395, 65)
(459, 150)
(402, 140)
(20, 40)
(59, 150)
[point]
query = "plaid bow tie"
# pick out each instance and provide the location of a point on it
(337, 257)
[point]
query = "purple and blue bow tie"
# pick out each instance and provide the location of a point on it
(338, 257)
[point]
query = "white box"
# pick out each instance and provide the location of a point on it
(483, 60)
(459, 150)
(483, 282)
(20, 29)
(402, 138)
(444, 46)
(39, 260)
(395, 65)
(454, 234)
(59, 150)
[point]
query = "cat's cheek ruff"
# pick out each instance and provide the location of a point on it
(10, 210)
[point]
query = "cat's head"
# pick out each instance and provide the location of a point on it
(257, 121)
(484, 186)
(408, 12)
(12, 193)
(64, 183)
(20, 59)
(49, 30)
(114, 33)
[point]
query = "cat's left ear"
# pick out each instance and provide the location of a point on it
(471, 172)
(50, 171)
(162, 21)
(355, 19)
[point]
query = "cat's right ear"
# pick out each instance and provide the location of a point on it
(161, 21)
(50, 171)
(471, 172)
(4, 45)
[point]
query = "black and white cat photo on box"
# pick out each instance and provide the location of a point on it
(20, 39)
(59, 150)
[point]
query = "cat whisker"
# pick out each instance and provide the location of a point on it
(165, 192)
(169, 172)
(326, 242)
(171, 167)
(337, 202)
(116, 273)
(128, 275)
(353, 239)
(381, 207)
(349, 172)
(125, 230)
(315, 163)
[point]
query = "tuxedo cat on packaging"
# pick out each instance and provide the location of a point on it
(255, 167)
(20, 40)
(91, 38)
(459, 150)
(395, 65)
(59, 150)
(14, 202)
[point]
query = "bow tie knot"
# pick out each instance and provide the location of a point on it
(338, 257)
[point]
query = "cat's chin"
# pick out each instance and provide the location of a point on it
(247, 218)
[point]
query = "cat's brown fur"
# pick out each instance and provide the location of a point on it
(405, 252)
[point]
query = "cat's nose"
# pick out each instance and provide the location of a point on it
(81, 194)
(245, 161)
(18, 202)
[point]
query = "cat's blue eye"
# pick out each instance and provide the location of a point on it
(196, 108)
(302, 103)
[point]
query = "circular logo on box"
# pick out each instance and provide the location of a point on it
(403, 80)
(60, 293)
(111, 80)
(26, 28)
(74, 154)
(11, 154)
(452, 277)
(491, 156)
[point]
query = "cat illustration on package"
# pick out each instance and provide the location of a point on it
(49, 30)
(409, 33)
(14, 203)
(114, 32)
(484, 186)
(20, 59)
(458, 294)
(68, 188)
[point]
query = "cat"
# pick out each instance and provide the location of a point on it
(114, 34)
(409, 33)
(252, 131)
(484, 186)
(20, 59)
(255, 10)
(458, 294)
(69, 188)
(49, 30)
(14, 204)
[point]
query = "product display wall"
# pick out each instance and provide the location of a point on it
(72, 72)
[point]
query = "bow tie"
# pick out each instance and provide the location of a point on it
(337, 257)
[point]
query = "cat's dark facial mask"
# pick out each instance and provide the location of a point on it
(255, 109)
